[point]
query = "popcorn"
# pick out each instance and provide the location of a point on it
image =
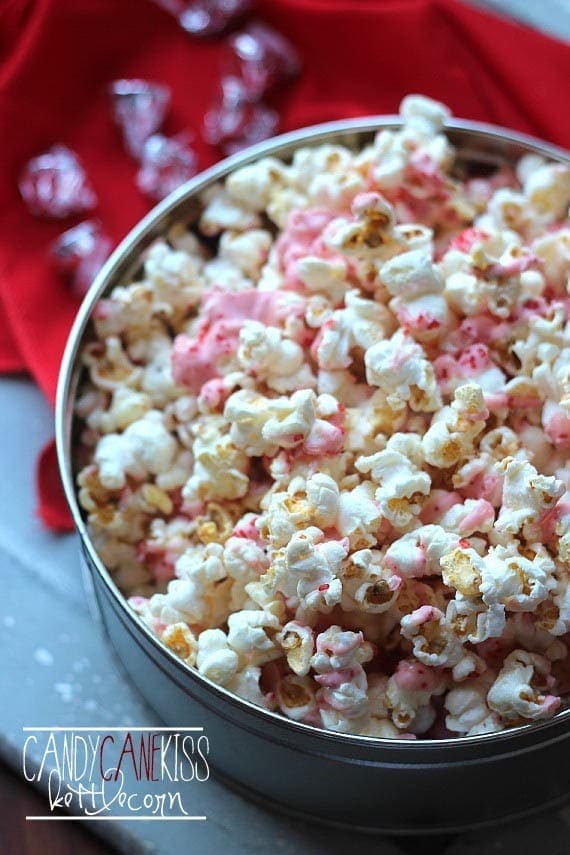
(144, 448)
(400, 480)
(220, 467)
(399, 367)
(215, 659)
(267, 355)
(434, 642)
(181, 641)
(174, 278)
(419, 552)
(298, 644)
(526, 495)
(251, 635)
(247, 250)
(308, 568)
(221, 212)
(296, 697)
(326, 431)
(468, 711)
(261, 425)
(369, 235)
(368, 584)
(360, 325)
(520, 690)
(408, 695)
(453, 430)
(338, 665)
(254, 185)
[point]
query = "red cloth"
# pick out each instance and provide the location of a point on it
(360, 57)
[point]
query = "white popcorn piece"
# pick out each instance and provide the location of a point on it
(268, 356)
(253, 185)
(360, 324)
(145, 448)
(434, 642)
(248, 250)
(424, 114)
(526, 495)
(112, 368)
(246, 684)
(261, 425)
(326, 276)
(451, 435)
(215, 659)
(408, 695)
(400, 368)
(174, 277)
(252, 635)
(369, 236)
(182, 641)
(222, 212)
(400, 480)
(468, 711)
(295, 696)
(308, 568)
(297, 641)
(548, 191)
(359, 515)
(521, 689)
(368, 584)
(220, 466)
(338, 665)
(127, 406)
(419, 552)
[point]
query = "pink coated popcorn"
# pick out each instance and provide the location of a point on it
(262, 58)
(325, 432)
(465, 239)
(302, 236)
(437, 504)
(413, 676)
(210, 17)
(79, 253)
(556, 423)
(139, 108)
(195, 361)
(234, 122)
(55, 185)
(166, 163)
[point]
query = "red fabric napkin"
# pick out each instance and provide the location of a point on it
(360, 57)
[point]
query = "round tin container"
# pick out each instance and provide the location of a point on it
(375, 785)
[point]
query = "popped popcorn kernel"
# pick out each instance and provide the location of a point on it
(324, 432)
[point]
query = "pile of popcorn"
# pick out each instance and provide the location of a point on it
(325, 439)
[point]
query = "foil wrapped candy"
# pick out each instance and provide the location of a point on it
(139, 108)
(55, 185)
(79, 253)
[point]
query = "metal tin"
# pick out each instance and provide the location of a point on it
(376, 785)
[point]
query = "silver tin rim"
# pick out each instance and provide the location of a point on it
(148, 228)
